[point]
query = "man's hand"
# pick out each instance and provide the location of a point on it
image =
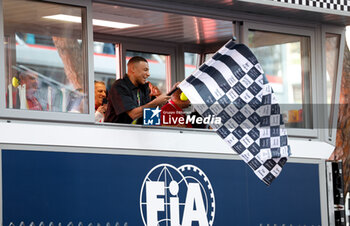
(161, 100)
(102, 109)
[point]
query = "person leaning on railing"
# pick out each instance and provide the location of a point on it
(130, 95)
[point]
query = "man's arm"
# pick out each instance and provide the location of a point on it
(137, 112)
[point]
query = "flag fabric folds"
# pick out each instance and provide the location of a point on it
(232, 86)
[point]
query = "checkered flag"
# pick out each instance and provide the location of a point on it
(232, 86)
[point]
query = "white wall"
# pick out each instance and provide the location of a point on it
(111, 136)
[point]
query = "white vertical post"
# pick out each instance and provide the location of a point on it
(64, 105)
(49, 98)
(9, 94)
(22, 96)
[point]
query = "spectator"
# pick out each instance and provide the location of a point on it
(100, 107)
(30, 79)
(172, 112)
(130, 95)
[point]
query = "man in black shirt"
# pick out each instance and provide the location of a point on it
(130, 95)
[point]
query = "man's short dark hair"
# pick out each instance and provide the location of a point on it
(136, 59)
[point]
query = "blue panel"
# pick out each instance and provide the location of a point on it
(100, 188)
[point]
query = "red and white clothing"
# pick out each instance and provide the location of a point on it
(99, 117)
(172, 113)
(33, 104)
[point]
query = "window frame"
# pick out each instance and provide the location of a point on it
(331, 132)
(198, 62)
(117, 58)
(87, 33)
(151, 47)
(142, 45)
(302, 31)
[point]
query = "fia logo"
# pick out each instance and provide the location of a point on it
(180, 196)
(151, 116)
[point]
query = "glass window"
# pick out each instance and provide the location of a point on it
(208, 56)
(332, 53)
(45, 57)
(286, 62)
(191, 63)
(105, 62)
(159, 67)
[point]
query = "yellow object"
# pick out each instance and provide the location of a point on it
(15, 82)
(183, 97)
(293, 116)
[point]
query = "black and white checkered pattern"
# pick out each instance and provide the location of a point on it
(232, 86)
(341, 5)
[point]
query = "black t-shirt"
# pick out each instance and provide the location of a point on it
(123, 97)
